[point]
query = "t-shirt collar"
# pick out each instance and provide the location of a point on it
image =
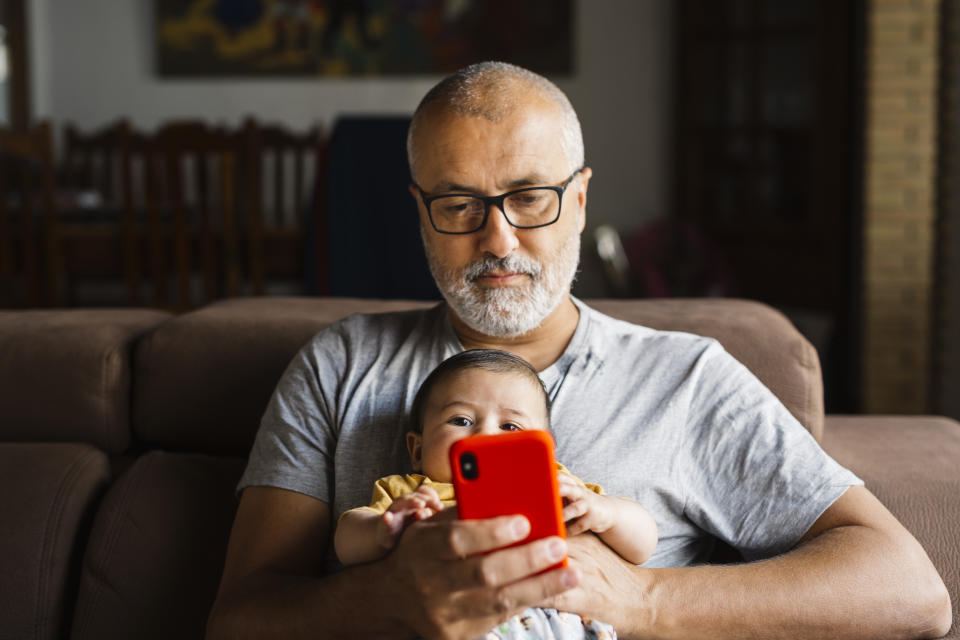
(576, 348)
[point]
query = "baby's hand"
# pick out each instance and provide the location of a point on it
(583, 510)
(419, 505)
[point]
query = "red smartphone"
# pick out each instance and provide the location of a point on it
(507, 474)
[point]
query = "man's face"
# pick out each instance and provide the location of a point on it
(501, 281)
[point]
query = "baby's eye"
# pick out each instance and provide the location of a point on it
(510, 426)
(460, 421)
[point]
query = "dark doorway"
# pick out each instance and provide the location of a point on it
(768, 154)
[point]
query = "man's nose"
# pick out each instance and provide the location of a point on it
(497, 236)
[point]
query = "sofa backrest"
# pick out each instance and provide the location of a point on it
(756, 334)
(65, 375)
(203, 379)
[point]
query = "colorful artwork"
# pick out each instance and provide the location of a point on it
(359, 37)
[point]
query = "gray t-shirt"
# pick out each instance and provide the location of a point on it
(668, 419)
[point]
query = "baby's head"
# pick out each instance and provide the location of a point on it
(481, 391)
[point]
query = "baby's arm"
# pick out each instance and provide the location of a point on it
(363, 535)
(622, 524)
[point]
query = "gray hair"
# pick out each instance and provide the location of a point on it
(489, 90)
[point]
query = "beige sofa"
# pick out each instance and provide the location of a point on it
(123, 433)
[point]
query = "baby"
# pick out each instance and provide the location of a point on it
(486, 391)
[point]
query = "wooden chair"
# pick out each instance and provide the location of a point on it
(282, 175)
(29, 273)
(105, 239)
(191, 213)
(91, 159)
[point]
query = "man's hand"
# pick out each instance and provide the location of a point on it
(457, 580)
(605, 577)
(437, 582)
(845, 579)
(419, 505)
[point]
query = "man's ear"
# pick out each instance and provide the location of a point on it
(415, 193)
(585, 176)
(415, 449)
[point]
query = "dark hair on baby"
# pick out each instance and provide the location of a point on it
(487, 359)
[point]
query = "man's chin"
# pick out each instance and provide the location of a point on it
(501, 302)
(498, 313)
(500, 330)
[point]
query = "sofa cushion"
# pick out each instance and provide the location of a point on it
(757, 335)
(157, 548)
(47, 497)
(66, 374)
(910, 464)
(203, 379)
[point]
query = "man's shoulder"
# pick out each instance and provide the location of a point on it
(379, 326)
(390, 320)
(620, 330)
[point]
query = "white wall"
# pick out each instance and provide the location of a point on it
(93, 60)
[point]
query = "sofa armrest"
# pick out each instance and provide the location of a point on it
(912, 464)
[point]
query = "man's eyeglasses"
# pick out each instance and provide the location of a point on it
(526, 208)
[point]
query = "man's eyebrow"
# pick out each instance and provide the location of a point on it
(529, 180)
(450, 187)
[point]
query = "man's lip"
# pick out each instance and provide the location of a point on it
(496, 277)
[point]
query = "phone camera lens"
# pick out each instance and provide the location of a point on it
(468, 466)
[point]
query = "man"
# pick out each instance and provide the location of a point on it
(667, 419)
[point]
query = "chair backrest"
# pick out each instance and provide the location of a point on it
(191, 212)
(29, 273)
(100, 166)
(92, 160)
(281, 172)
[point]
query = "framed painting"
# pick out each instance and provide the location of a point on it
(359, 37)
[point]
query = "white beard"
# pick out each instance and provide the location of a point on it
(508, 312)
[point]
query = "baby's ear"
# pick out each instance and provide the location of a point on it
(414, 448)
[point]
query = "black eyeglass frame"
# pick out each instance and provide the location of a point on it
(498, 201)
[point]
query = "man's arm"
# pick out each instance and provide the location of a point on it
(857, 573)
(432, 584)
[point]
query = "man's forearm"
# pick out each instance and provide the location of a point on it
(350, 603)
(849, 582)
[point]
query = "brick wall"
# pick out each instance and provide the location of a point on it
(899, 204)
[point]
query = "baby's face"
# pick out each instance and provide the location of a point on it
(472, 402)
